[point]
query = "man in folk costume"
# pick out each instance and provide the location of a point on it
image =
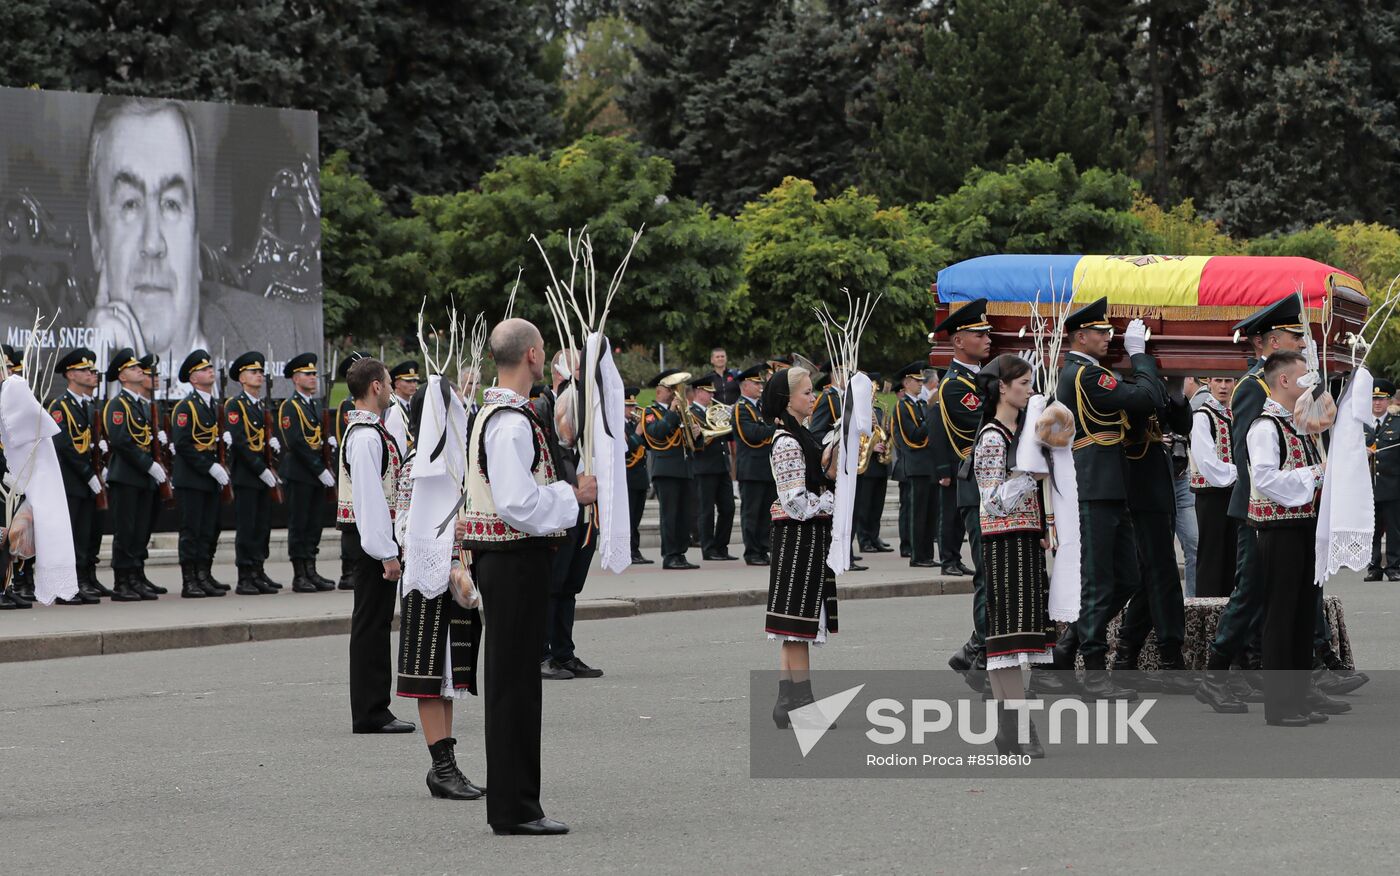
(637, 479)
(342, 412)
(369, 481)
(911, 436)
(517, 510)
(1212, 474)
(253, 481)
(132, 476)
(1382, 435)
(752, 436)
(670, 470)
(1273, 329)
(304, 472)
(198, 476)
(75, 412)
(872, 483)
(714, 490)
(405, 378)
(1101, 403)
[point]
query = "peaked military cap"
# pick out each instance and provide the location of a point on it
(194, 362)
(407, 370)
(304, 363)
(249, 361)
(1092, 316)
(81, 359)
(971, 317)
(121, 360)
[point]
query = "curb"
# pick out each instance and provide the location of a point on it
(88, 644)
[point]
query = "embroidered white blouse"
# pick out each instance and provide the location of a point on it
(795, 501)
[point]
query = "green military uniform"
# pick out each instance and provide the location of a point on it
(131, 483)
(753, 438)
(671, 475)
(304, 473)
(713, 488)
(244, 420)
(826, 413)
(1101, 403)
(911, 438)
(1383, 434)
(76, 416)
(637, 479)
(194, 428)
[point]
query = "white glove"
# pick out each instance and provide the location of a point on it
(102, 444)
(228, 438)
(95, 485)
(326, 478)
(276, 445)
(9, 480)
(218, 473)
(268, 477)
(330, 439)
(162, 437)
(1135, 338)
(1032, 358)
(156, 472)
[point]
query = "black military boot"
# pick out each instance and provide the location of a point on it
(1339, 679)
(269, 585)
(150, 585)
(961, 661)
(206, 576)
(301, 581)
(1098, 685)
(1006, 731)
(1317, 701)
(96, 583)
(780, 708)
(23, 584)
(189, 583)
(347, 574)
(125, 589)
(10, 601)
(322, 582)
(87, 592)
(1175, 678)
(248, 583)
(445, 781)
(206, 581)
(1214, 690)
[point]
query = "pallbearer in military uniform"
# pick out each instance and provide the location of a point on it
(757, 492)
(347, 404)
(253, 481)
(713, 487)
(670, 468)
(304, 473)
(132, 476)
(406, 379)
(637, 479)
(74, 412)
(911, 437)
(198, 476)
(872, 483)
(1383, 434)
(1100, 403)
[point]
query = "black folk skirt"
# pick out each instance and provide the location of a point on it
(437, 637)
(800, 584)
(1019, 629)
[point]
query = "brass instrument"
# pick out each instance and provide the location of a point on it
(682, 407)
(719, 421)
(877, 435)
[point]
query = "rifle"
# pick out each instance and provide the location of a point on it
(327, 426)
(98, 425)
(220, 448)
(158, 451)
(270, 417)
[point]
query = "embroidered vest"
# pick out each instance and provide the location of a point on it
(1025, 516)
(486, 530)
(1295, 451)
(1220, 436)
(391, 474)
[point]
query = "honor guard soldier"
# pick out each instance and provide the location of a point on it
(133, 476)
(827, 412)
(1276, 328)
(1101, 403)
(253, 479)
(304, 472)
(405, 378)
(74, 412)
(911, 437)
(872, 483)
(1382, 434)
(710, 467)
(669, 449)
(637, 479)
(347, 404)
(757, 491)
(198, 477)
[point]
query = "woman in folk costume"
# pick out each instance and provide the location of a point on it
(440, 625)
(801, 589)
(1019, 630)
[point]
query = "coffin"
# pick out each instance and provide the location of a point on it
(1190, 303)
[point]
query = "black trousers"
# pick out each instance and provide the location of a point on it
(82, 513)
(636, 501)
(923, 516)
(1108, 574)
(1284, 562)
(95, 534)
(303, 518)
(1241, 621)
(950, 524)
(674, 496)
(1387, 525)
(1217, 544)
(133, 512)
(755, 506)
(1159, 603)
(199, 524)
(514, 592)
(870, 507)
(371, 659)
(972, 525)
(906, 541)
(716, 512)
(567, 574)
(252, 515)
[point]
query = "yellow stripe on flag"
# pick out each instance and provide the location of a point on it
(1147, 280)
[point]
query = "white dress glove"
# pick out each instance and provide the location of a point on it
(156, 472)
(219, 474)
(326, 478)
(102, 444)
(228, 438)
(95, 485)
(268, 477)
(1135, 338)
(330, 439)
(276, 445)
(161, 436)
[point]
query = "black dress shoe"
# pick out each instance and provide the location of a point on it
(1316, 718)
(869, 549)
(1288, 721)
(10, 602)
(1322, 704)
(1215, 692)
(923, 564)
(906, 553)
(1372, 575)
(677, 563)
(581, 669)
(639, 560)
(1049, 682)
(857, 567)
(538, 827)
(1098, 685)
(856, 558)
(715, 558)
(1392, 575)
(881, 547)
(551, 671)
(756, 561)
(956, 568)
(394, 726)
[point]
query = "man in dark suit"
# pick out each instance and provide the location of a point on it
(911, 438)
(637, 479)
(757, 491)
(715, 491)
(304, 472)
(75, 411)
(132, 476)
(198, 476)
(1381, 434)
(670, 468)
(253, 480)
